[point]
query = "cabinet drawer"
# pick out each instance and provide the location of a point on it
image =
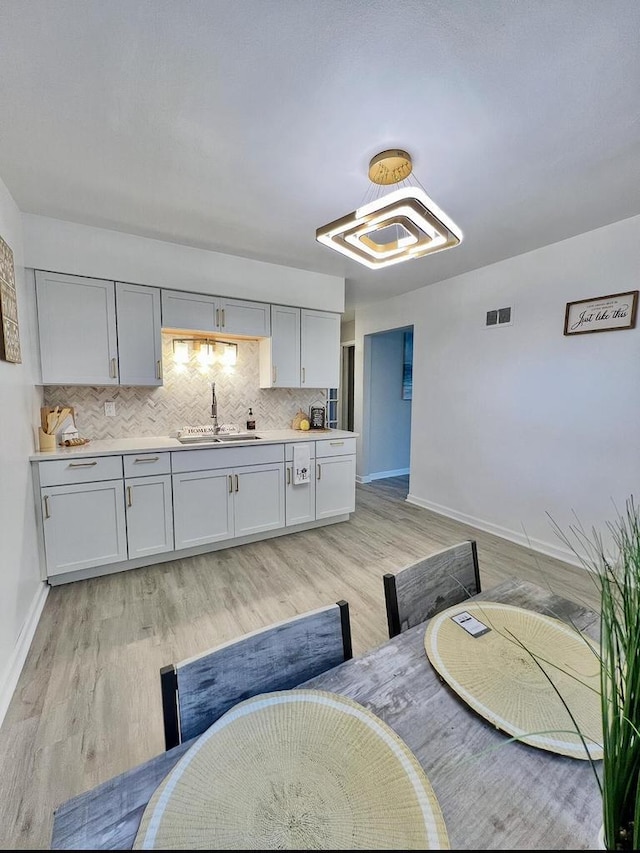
(84, 469)
(288, 449)
(335, 447)
(145, 464)
(225, 457)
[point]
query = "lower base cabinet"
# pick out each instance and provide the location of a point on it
(84, 525)
(149, 512)
(210, 506)
(335, 485)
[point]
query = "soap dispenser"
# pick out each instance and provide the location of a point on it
(251, 421)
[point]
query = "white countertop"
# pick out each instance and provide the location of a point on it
(155, 444)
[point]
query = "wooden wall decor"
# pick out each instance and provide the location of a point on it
(9, 334)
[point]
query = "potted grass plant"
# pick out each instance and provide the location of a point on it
(616, 570)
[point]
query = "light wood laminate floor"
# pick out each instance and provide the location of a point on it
(87, 705)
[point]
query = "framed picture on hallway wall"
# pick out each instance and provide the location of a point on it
(407, 366)
(601, 313)
(9, 334)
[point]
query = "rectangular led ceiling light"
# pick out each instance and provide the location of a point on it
(399, 226)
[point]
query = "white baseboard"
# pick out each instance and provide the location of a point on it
(400, 472)
(539, 545)
(21, 649)
(381, 475)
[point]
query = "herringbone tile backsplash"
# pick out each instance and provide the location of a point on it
(185, 399)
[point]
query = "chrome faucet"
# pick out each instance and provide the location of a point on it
(214, 408)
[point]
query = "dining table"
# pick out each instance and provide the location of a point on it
(495, 793)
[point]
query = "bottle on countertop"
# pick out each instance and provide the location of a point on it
(251, 421)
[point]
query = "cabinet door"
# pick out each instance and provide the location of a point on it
(149, 515)
(300, 500)
(77, 330)
(320, 349)
(202, 507)
(245, 318)
(258, 492)
(191, 312)
(139, 336)
(84, 525)
(280, 354)
(335, 486)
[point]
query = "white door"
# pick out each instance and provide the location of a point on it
(202, 507)
(139, 334)
(335, 486)
(238, 317)
(84, 525)
(280, 354)
(258, 492)
(191, 312)
(300, 499)
(320, 349)
(77, 330)
(149, 515)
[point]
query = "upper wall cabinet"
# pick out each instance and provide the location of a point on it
(94, 332)
(199, 313)
(303, 351)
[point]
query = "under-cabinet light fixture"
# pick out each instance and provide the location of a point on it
(399, 226)
(208, 351)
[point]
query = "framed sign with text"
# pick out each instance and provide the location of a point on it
(601, 314)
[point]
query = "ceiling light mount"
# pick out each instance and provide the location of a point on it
(401, 225)
(390, 167)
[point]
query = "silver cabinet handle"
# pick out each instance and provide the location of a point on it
(217, 316)
(336, 443)
(47, 514)
(147, 459)
(319, 477)
(288, 476)
(82, 464)
(129, 496)
(275, 374)
(237, 484)
(230, 484)
(222, 324)
(158, 369)
(303, 375)
(113, 370)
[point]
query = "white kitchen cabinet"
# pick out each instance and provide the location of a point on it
(77, 330)
(227, 502)
(84, 525)
(300, 499)
(258, 498)
(139, 334)
(149, 513)
(196, 312)
(97, 332)
(335, 477)
(320, 349)
(202, 507)
(303, 350)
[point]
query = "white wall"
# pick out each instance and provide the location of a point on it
(521, 424)
(58, 246)
(23, 593)
(389, 433)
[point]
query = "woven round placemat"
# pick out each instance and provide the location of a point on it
(295, 770)
(500, 675)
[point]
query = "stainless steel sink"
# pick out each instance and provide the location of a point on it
(240, 436)
(221, 438)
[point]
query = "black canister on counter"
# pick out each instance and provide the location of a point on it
(251, 421)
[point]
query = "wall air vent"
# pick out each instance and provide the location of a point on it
(498, 317)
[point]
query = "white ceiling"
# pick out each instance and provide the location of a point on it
(243, 125)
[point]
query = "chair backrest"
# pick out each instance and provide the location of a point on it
(197, 691)
(422, 589)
